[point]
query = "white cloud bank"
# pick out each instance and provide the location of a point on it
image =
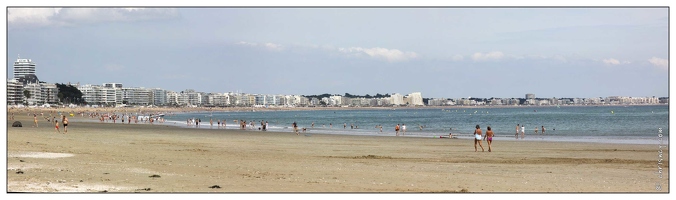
(268, 46)
(57, 17)
(659, 62)
(390, 55)
(495, 55)
(613, 61)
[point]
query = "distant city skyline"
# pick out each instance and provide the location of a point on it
(440, 52)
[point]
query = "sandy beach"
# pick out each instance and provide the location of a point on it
(130, 158)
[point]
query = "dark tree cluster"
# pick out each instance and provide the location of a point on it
(70, 94)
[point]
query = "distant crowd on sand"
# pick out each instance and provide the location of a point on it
(143, 117)
(52, 118)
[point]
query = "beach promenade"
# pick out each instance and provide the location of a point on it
(107, 157)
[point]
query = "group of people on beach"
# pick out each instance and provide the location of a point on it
(402, 128)
(478, 136)
(64, 121)
(522, 130)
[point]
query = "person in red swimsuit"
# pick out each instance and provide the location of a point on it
(56, 126)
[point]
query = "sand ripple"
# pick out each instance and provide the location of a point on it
(38, 155)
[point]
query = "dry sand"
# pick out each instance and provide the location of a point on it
(98, 157)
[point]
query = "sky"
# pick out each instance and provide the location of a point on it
(442, 52)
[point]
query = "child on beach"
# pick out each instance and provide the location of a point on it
(56, 126)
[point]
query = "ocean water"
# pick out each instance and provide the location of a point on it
(604, 124)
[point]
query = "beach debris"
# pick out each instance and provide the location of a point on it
(104, 191)
(155, 176)
(464, 190)
(106, 173)
(146, 189)
(215, 187)
(372, 157)
(16, 124)
(22, 161)
(19, 172)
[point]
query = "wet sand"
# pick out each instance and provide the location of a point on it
(106, 157)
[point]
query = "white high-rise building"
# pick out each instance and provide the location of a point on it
(23, 67)
(14, 92)
(337, 100)
(396, 99)
(98, 95)
(35, 92)
(415, 99)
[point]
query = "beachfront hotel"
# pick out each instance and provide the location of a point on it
(23, 67)
(25, 79)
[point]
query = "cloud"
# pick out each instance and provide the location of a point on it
(60, 17)
(495, 55)
(274, 47)
(268, 46)
(659, 62)
(613, 61)
(390, 55)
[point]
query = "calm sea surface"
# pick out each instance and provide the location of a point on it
(604, 124)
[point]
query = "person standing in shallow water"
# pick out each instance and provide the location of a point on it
(517, 132)
(477, 138)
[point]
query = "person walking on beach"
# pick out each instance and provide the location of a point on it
(211, 122)
(313, 125)
(35, 119)
(64, 120)
(477, 138)
(517, 132)
(344, 125)
(536, 130)
(396, 128)
(403, 129)
(295, 128)
(56, 126)
(489, 137)
(523, 131)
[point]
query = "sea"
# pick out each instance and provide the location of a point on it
(644, 124)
